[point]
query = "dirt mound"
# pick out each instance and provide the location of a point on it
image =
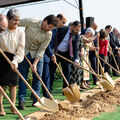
(103, 101)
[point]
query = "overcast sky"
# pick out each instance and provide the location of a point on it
(104, 11)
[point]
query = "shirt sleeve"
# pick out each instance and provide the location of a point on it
(19, 54)
(29, 22)
(42, 47)
(106, 46)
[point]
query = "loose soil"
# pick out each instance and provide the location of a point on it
(102, 101)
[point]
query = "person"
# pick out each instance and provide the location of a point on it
(38, 35)
(103, 44)
(108, 29)
(3, 23)
(12, 42)
(67, 46)
(88, 45)
(115, 48)
(92, 56)
(49, 57)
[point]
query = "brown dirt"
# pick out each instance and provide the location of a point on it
(102, 101)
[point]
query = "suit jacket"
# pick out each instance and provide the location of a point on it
(49, 50)
(75, 40)
(113, 42)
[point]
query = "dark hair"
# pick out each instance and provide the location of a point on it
(51, 19)
(12, 12)
(76, 23)
(60, 16)
(108, 27)
(103, 34)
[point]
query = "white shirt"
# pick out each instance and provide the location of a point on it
(63, 46)
(13, 42)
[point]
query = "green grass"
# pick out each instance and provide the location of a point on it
(57, 94)
(109, 116)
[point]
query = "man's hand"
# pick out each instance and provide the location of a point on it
(77, 64)
(53, 58)
(34, 67)
(118, 48)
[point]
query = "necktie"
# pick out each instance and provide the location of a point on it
(70, 46)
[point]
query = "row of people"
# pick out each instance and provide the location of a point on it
(40, 42)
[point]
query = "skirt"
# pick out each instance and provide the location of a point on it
(7, 76)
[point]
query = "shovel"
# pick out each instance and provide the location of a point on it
(71, 92)
(110, 65)
(104, 77)
(78, 66)
(106, 85)
(9, 100)
(46, 101)
(107, 82)
(43, 106)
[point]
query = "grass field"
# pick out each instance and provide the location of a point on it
(57, 94)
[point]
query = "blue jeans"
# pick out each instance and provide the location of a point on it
(24, 69)
(46, 78)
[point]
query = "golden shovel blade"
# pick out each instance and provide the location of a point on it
(106, 85)
(48, 105)
(109, 79)
(72, 93)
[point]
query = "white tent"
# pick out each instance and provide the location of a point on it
(4, 3)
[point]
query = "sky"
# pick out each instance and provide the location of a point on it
(104, 11)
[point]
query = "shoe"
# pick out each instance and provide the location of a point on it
(21, 105)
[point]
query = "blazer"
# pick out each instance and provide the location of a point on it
(75, 40)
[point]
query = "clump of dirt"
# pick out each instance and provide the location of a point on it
(103, 101)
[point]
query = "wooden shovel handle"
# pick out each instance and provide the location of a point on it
(19, 74)
(62, 74)
(78, 66)
(115, 60)
(110, 65)
(40, 79)
(90, 67)
(9, 100)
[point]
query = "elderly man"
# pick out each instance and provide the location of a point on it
(3, 23)
(38, 35)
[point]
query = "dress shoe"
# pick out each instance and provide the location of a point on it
(21, 105)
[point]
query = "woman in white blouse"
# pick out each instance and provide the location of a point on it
(12, 42)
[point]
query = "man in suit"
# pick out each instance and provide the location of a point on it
(115, 48)
(68, 47)
(92, 56)
(108, 29)
(49, 55)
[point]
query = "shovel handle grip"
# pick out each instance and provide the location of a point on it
(40, 79)
(62, 74)
(9, 100)
(19, 74)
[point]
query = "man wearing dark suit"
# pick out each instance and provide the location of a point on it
(115, 48)
(49, 55)
(68, 47)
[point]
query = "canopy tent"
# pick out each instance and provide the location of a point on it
(5, 3)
